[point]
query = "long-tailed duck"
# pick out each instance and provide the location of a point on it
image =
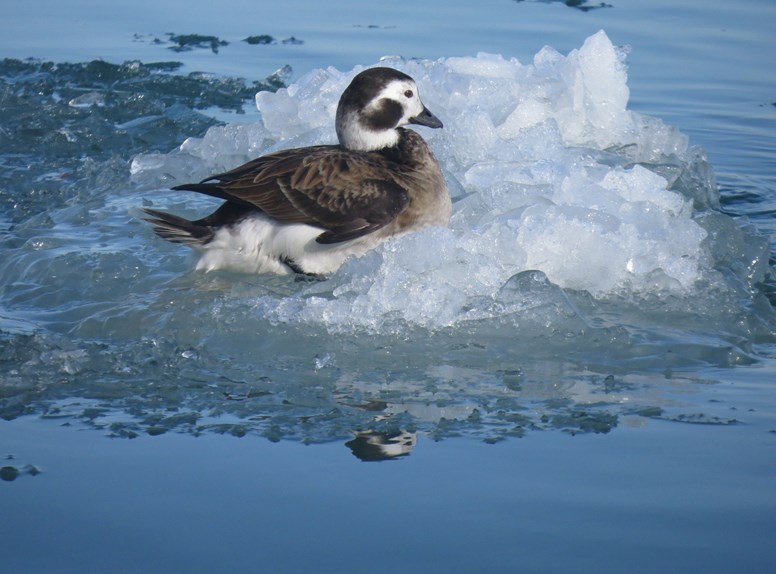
(307, 210)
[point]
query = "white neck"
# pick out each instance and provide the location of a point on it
(352, 135)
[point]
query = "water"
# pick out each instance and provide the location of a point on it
(576, 375)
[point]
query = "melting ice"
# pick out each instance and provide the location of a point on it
(558, 189)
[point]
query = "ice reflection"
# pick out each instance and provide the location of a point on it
(376, 414)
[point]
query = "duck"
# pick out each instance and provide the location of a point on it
(307, 210)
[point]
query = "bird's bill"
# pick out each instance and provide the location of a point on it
(426, 118)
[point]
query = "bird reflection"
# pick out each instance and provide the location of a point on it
(372, 446)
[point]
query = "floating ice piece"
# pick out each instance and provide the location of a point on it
(88, 100)
(554, 176)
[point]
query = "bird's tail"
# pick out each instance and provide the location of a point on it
(177, 229)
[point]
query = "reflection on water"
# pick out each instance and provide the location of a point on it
(370, 446)
(10, 471)
(183, 391)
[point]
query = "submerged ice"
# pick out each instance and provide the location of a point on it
(551, 174)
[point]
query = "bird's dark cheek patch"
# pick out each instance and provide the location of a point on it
(384, 116)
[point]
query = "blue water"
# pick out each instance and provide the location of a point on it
(158, 420)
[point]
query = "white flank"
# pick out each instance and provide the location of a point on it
(258, 244)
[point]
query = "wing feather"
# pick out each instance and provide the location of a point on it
(348, 194)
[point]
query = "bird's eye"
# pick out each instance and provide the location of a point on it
(408, 94)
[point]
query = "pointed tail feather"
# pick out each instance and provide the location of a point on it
(211, 189)
(177, 229)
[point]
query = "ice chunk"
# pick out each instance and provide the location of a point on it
(484, 65)
(88, 100)
(525, 115)
(592, 108)
(310, 103)
(555, 179)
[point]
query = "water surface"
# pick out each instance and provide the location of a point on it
(529, 411)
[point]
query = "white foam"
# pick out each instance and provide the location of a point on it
(545, 157)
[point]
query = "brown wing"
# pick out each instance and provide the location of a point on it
(348, 194)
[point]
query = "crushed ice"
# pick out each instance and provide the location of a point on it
(557, 185)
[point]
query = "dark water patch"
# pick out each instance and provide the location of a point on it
(64, 124)
(374, 27)
(11, 471)
(584, 421)
(187, 42)
(581, 5)
(702, 419)
(293, 41)
(262, 39)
